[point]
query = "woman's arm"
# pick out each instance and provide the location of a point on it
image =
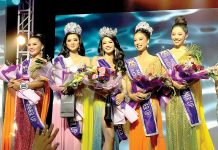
(18, 84)
(87, 61)
(138, 96)
(43, 141)
(120, 97)
(94, 61)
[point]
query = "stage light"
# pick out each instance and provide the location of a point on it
(16, 2)
(21, 39)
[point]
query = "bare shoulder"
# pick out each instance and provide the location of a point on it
(86, 60)
(94, 60)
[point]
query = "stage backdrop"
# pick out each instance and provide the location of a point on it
(203, 30)
(2, 49)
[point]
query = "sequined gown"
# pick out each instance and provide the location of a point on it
(180, 135)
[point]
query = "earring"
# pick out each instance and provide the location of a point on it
(41, 51)
(78, 49)
(148, 44)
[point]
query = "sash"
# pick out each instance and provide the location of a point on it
(119, 128)
(148, 117)
(67, 102)
(31, 110)
(74, 127)
(186, 96)
(9, 72)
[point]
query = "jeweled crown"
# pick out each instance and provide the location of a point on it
(106, 31)
(73, 27)
(144, 25)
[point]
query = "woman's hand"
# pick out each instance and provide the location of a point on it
(139, 96)
(216, 87)
(64, 90)
(213, 69)
(70, 90)
(119, 98)
(44, 140)
(15, 84)
(42, 78)
(11, 83)
(41, 60)
(179, 86)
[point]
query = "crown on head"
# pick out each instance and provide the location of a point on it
(72, 28)
(144, 25)
(106, 31)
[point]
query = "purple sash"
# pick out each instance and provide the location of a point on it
(187, 98)
(120, 132)
(119, 129)
(13, 69)
(148, 119)
(31, 110)
(74, 126)
(103, 63)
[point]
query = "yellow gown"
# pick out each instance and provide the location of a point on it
(87, 136)
(180, 135)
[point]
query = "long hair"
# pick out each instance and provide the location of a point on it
(41, 38)
(66, 52)
(118, 54)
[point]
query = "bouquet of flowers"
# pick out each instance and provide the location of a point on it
(38, 64)
(148, 83)
(155, 84)
(77, 78)
(188, 72)
(95, 77)
(193, 54)
(190, 68)
(100, 79)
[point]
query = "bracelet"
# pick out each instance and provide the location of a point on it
(23, 86)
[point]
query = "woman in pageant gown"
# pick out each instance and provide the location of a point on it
(144, 64)
(72, 57)
(181, 134)
(110, 56)
(16, 121)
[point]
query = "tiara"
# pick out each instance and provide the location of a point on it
(72, 28)
(144, 25)
(105, 31)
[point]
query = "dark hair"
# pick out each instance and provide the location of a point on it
(118, 59)
(145, 32)
(66, 52)
(41, 38)
(180, 21)
(38, 36)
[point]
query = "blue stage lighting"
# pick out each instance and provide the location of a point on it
(16, 2)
